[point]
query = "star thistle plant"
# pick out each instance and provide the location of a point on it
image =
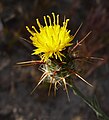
(51, 38)
(58, 60)
(50, 41)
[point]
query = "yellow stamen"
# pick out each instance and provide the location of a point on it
(53, 18)
(49, 19)
(57, 19)
(29, 30)
(45, 21)
(34, 29)
(38, 23)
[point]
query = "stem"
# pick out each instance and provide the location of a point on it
(92, 103)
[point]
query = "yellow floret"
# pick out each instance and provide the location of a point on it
(51, 38)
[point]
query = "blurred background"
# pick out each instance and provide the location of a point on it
(16, 103)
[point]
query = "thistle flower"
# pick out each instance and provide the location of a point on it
(49, 41)
(51, 38)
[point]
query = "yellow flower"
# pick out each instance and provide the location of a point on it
(51, 38)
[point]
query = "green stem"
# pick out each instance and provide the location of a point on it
(92, 103)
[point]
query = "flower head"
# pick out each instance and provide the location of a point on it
(51, 38)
